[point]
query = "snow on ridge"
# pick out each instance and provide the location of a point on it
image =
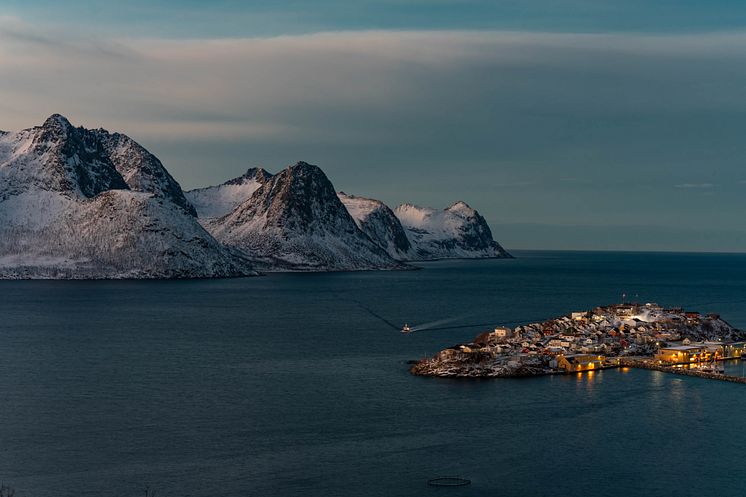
(457, 231)
(462, 208)
(412, 233)
(66, 211)
(295, 221)
(55, 157)
(359, 207)
(117, 234)
(33, 211)
(413, 214)
(141, 170)
(78, 203)
(219, 200)
(436, 223)
(380, 223)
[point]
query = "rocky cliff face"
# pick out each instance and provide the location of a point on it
(296, 221)
(377, 221)
(66, 211)
(455, 232)
(141, 170)
(56, 157)
(216, 201)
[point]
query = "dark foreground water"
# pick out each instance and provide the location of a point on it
(295, 385)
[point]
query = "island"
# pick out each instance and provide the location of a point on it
(618, 335)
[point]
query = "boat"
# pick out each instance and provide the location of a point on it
(406, 328)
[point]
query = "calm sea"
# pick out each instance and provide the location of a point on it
(297, 385)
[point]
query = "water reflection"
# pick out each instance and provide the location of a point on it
(735, 367)
(585, 380)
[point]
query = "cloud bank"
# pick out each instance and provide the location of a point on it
(306, 86)
(408, 115)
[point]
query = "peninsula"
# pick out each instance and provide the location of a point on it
(642, 335)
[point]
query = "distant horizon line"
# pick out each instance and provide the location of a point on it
(626, 251)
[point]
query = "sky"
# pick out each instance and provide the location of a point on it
(569, 124)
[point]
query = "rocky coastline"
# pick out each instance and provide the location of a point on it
(591, 340)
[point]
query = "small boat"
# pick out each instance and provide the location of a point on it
(406, 328)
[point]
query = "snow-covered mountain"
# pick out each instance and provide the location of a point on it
(216, 201)
(296, 221)
(76, 203)
(421, 233)
(412, 233)
(141, 170)
(455, 232)
(377, 221)
(55, 157)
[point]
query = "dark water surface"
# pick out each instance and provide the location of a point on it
(296, 385)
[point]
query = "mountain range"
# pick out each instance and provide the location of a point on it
(79, 203)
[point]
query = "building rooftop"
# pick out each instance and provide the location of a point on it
(683, 347)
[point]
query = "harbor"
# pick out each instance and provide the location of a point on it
(645, 336)
(684, 370)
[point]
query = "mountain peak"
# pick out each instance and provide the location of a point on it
(57, 121)
(305, 166)
(307, 177)
(296, 220)
(459, 206)
(258, 174)
(297, 188)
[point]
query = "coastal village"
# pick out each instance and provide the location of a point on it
(638, 335)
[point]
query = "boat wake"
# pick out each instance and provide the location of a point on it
(436, 324)
(376, 315)
(440, 324)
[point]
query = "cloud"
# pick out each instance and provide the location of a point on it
(51, 41)
(416, 116)
(695, 185)
(363, 87)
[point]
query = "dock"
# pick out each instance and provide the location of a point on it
(643, 364)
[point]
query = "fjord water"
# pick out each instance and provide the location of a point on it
(297, 385)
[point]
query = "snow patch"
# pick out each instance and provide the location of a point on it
(217, 201)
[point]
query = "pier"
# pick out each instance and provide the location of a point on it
(646, 364)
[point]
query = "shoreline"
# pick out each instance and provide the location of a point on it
(636, 364)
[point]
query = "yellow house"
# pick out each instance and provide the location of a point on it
(580, 362)
(502, 332)
(683, 354)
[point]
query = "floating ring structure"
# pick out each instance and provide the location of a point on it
(448, 481)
